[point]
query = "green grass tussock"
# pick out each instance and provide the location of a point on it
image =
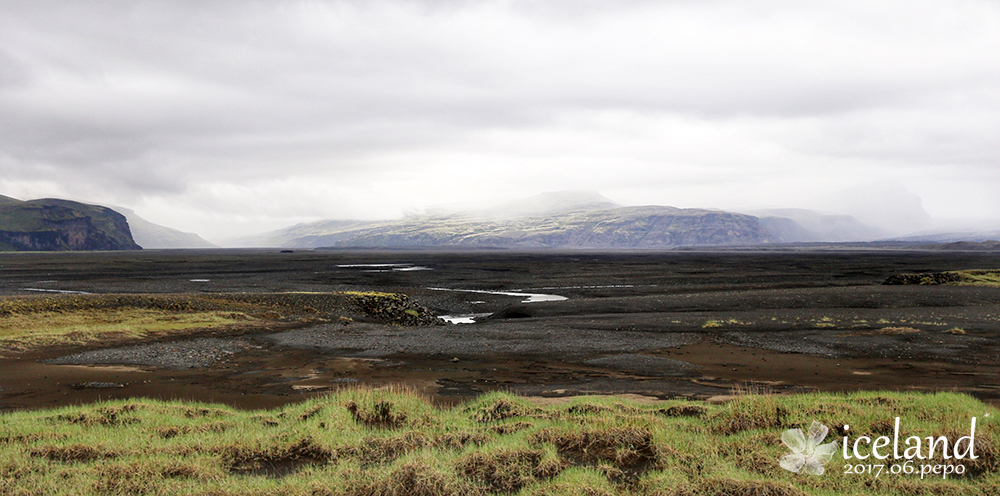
(497, 407)
(747, 412)
(394, 442)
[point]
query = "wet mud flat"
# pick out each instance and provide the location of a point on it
(659, 324)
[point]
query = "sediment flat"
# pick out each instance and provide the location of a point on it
(689, 324)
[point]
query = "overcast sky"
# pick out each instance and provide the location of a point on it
(234, 117)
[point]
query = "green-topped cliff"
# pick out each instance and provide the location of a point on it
(61, 225)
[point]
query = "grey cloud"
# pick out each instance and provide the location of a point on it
(13, 72)
(150, 98)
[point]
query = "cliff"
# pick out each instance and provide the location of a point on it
(61, 225)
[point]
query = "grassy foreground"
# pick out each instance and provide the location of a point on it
(377, 442)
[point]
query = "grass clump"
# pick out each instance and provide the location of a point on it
(382, 449)
(73, 453)
(510, 428)
(508, 469)
(684, 411)
(576, 481)
(497, 444)
(379, 415)
(625, 446)
(747, 412)
(498, 407)
(412, 478)
(272, 459)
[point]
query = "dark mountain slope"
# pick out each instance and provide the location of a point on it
(61, 225)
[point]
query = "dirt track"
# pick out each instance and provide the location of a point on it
(661, 324)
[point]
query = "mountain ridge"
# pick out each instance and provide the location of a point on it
(155, 236)
(623, 227)
(547, 203)
(52, 224)
(571, 219)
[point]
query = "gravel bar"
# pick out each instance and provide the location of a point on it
(179, 355)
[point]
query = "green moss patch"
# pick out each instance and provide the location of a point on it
(989, 278)
(28, 322)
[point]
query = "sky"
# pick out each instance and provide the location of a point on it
(227, 118)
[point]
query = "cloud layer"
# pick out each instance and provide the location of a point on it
(232, 117)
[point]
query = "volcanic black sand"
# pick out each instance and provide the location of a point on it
(664, 324)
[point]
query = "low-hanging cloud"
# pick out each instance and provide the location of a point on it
(368, 109)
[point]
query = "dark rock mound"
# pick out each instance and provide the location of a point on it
(393, 308)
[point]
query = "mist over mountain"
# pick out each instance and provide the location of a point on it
(886, 206)
(967, 233)
(586, 219)
(331, 232)
(304, 235)
(155, 236)
(796, 225)
(549, 220)
(61, 225)
(563, 219)
(622, 227)
(548, 203)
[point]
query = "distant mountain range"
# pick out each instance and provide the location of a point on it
(952, 236)
(567, 219)
(990, 245)
(59, 225)
(155, 236)
(64, 225)
(623, 227)
(579, 219)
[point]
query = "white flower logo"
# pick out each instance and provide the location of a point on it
(807, 454)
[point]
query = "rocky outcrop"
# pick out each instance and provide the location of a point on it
(61, 225)
(394, 308)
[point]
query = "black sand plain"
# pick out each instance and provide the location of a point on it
(696, 324)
